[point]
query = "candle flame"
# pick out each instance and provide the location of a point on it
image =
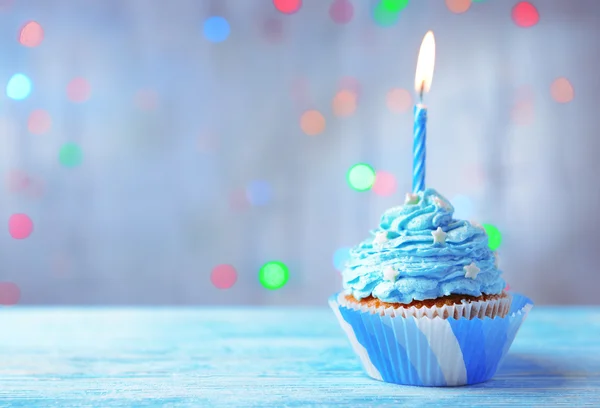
(425, 64)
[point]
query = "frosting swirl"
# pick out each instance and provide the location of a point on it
(422, 266)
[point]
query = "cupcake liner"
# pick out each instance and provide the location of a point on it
(430, 351)
(466, 309)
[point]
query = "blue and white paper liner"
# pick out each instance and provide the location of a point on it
(431, 351)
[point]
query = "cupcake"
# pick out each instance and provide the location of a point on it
(424, 300)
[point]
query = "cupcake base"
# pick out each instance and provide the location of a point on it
(426, 351)
(456, 306)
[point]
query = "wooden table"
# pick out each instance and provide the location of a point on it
(201, 357)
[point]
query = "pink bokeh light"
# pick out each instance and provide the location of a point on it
(385, 184)
(272, 30)
(39, 122)
(9, 294)
(31, 34)
(20, 226)
(223, 276)
(341, 11)
(79, 90)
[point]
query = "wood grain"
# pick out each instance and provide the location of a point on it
(200, 357)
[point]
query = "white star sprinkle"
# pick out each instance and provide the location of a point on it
(390, 274)
(411, 199)
(380, 238)
(471, 271)
(439, 236)
(440, 203)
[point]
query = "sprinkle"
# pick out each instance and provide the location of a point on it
(471, 270)
(390, 274)
(380, 238)
(440, 203)
(439, 236)
(411, 199)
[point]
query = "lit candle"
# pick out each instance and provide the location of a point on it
(423, 78)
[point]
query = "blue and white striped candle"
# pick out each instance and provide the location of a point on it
(419, 151)
(423, 77)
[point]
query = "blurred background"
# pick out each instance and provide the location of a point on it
(232, 151)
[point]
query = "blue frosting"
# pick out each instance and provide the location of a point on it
(426, 270)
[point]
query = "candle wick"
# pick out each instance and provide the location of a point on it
(421, 92)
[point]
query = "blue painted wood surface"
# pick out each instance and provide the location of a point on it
(153, 357)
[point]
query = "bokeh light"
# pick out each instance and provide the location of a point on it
(524, 14)
(361, 177)
(216, 29)
(458, 6)
(70, 155)
(17, 181)
(18, 87)
(393, 6)
(9, 294)
(523, 110)
(385, 184)
(399, 100)
(463, 207)
(146, 99)
(384, 15)
(287, 6)
(272, 29)
(223, 276)
(344, 103)
(341, 11)
(312, 122)
(340, 257)
(259, 192)
(31, 34)
(494, 236)
(523, 113)
(39, 122)
(79, 90)
(562, 90)
(20, 226)
(273, 275)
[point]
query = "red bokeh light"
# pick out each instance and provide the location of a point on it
(287, 6)
(525, 14)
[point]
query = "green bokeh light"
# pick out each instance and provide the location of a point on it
(273, 275)
(494, 236)
(383, 15)
(361, 177)
(394, 6)
(70, 155)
